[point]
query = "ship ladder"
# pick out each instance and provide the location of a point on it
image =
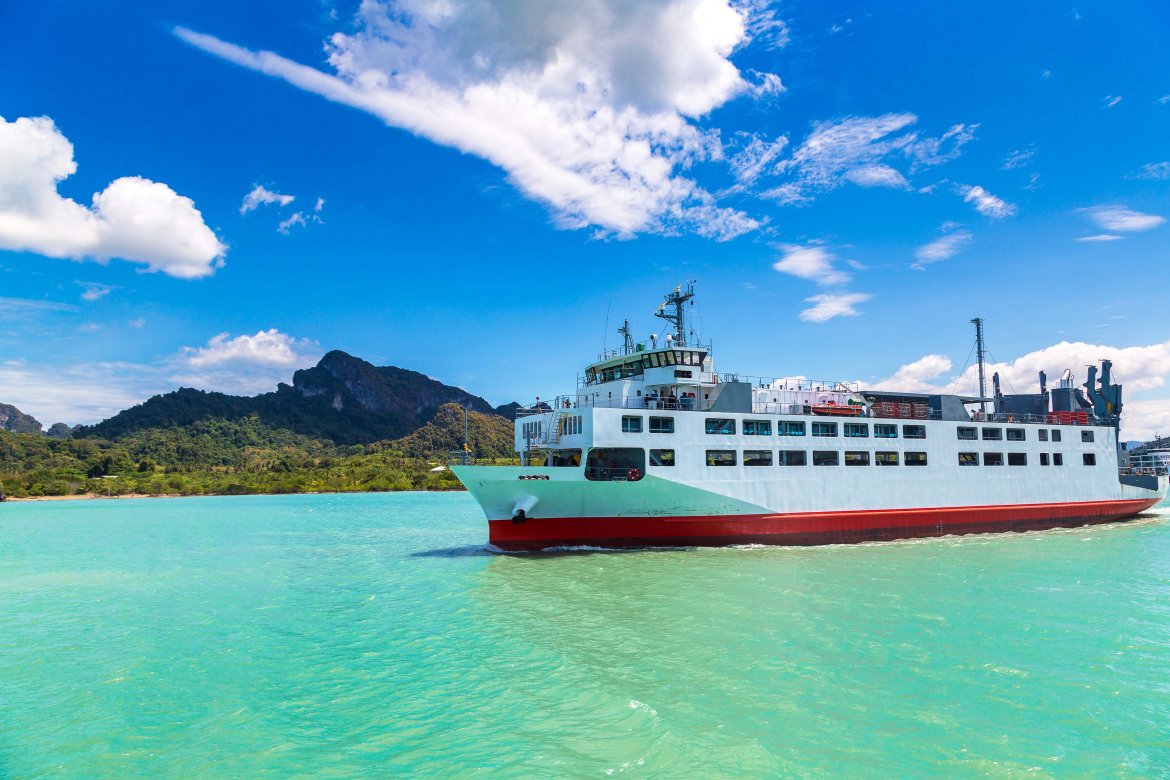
(553, 432)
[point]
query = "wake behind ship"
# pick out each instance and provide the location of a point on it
(655, 448)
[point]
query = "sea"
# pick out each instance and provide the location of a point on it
(375, 635)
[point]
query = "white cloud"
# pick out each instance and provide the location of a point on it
(756, 156)
(876, 175)
(1101, 237)
(1160, 171)
(1046, 74)
(915, 377)
(261, 196)
(268, 347)
(1018, 159)
(1164, 99)
(586, 106)
(296, 219)
(862, 150)
(320, 204)
(814, 263)
(985, 203)
(1111, 100)
(941, 248)
(1122, 219)
(1140, 369)
(93, 291)
(16, 308)
(133, 219)
(829, 306)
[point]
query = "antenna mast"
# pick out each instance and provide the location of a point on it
(978, 323)
(677, 316)
(624, 331)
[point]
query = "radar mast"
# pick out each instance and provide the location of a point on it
(676, 316)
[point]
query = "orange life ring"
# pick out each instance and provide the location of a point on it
(633, 475)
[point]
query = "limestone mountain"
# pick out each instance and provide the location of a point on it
(12, 419)
(343, 399)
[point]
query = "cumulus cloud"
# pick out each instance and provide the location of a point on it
(268, 347)
(814, 263)
(864, 151)
(827, 306)
(262, 196)
(1121, 219)
(942, 248)
(1142, 369)
(587, 106)
(133, 218)
(985, 203)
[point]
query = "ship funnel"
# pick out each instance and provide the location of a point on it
(1043, 383)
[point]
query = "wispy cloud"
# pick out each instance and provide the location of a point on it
(17, 307)
(813, 263)
(133, 218)
(942, 248)
(985, 203)
(262, 196)
(1159, 171)
(583, 116)
(1018, 158)
(1120, 219)
(1101, 237)
(1111, 100)
(828, 306)
(863, 151)
(92, 291)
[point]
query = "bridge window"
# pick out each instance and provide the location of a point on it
(1015, 434)
(1089, 458)
(1017, 459)
(793, 458)
(856, 458)
(826, 457)
(757, 457)
(992, 434)
(720, 457)
(661, 457)
(913, 432)
(757, 428)
(885, 458)
(964, 433)
(856, 431)
(993, 459)
(720, 426)
(1086, 436)
(661, 425)
(824, 429)
(632, 423)
(790, 428)
(968, 459)
(885, 431)
(915, 459)
(1042, 434)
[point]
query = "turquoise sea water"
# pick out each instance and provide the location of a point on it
(371, 635)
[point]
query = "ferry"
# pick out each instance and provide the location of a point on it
(655, 448)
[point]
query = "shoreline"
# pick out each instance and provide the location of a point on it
(103, 497)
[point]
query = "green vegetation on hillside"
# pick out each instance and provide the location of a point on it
(219, 455)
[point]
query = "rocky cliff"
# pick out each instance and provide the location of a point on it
(12, 419)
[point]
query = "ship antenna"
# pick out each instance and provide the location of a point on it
(628, 344)
(677, 315)
(979, 350)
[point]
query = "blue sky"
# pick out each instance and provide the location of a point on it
(476, 186)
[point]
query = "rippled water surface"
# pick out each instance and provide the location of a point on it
(369, 635)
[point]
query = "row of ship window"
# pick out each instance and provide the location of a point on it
(860, 458)
(632, 423)
(725, 426)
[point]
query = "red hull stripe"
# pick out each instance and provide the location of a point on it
(804, 528)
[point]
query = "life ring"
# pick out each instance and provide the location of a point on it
(633, 475)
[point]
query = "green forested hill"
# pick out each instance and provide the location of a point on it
(214, 455)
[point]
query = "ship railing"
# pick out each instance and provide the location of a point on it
(1143, 471)
(796, 384)
(1051, 418)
